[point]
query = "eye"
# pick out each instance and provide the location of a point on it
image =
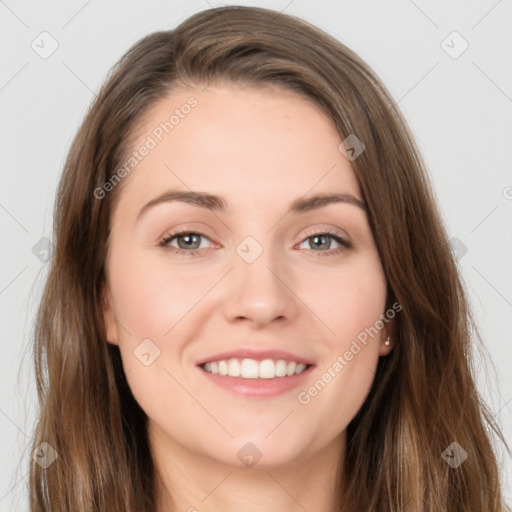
(188, 242)
(323, 241)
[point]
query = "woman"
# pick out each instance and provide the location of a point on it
(252, 302)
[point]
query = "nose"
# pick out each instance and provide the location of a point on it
(260, 292)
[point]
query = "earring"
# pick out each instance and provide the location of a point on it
(387, 342)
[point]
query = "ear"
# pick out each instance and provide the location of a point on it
(109, 318)
(387, 332)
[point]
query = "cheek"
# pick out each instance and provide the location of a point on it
(150, 298)
(351, 306)
(337, 395)
(350, 301)
(149, 302)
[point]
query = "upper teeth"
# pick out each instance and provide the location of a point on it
(252, 369)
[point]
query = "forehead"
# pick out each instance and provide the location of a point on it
(252, 145)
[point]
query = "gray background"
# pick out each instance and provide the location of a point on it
(458, 106)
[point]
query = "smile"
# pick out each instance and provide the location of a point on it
(256, 379)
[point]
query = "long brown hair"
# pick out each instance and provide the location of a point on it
(423, 397)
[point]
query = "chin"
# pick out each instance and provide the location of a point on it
(261, 452)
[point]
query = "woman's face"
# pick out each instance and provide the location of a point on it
(260, 278)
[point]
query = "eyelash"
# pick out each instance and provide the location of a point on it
(344, 244)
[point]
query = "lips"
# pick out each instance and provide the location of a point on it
(256, 373)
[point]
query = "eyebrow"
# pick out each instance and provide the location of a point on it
(217, 203)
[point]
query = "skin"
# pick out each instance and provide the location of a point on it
(260, 149)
